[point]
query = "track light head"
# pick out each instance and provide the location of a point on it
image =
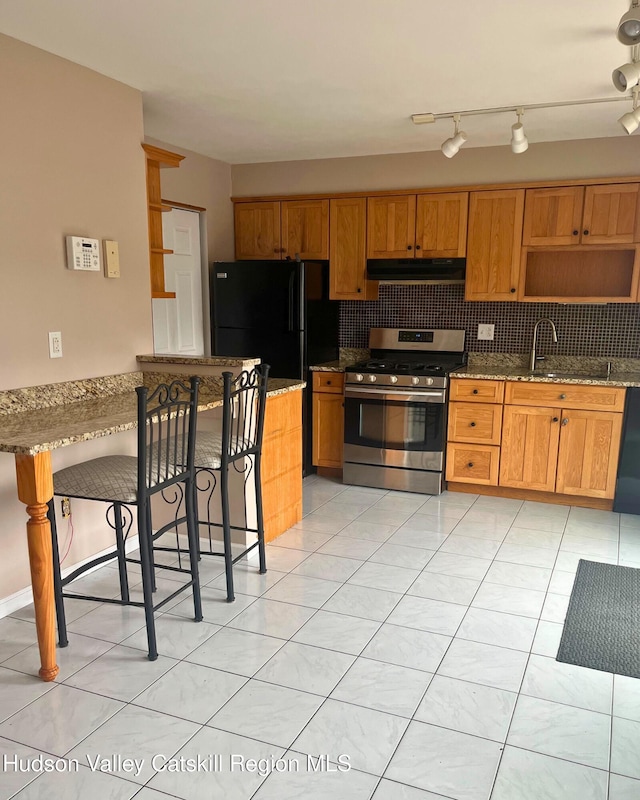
(451, 146)
(629, 27)
(630, 121)
(519, 141)
(626, 76)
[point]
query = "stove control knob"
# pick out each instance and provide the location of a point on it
(393, 379)
(372, 378)
(359, 377)
(429, 381)
(415, 380)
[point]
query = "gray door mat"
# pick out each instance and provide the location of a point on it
(602, 627)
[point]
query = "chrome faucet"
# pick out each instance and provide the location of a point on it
(533, 357)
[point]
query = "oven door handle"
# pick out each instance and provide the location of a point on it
(437, 396)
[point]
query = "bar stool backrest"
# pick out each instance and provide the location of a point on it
(243, 413)
(166, 435)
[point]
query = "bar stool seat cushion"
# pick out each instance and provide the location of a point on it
(109, 478)
(208, 454)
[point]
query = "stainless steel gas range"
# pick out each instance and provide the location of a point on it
(395, 417)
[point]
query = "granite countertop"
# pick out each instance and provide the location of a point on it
(39, 429)
(205, 361)
(341, 365)
(506, 373)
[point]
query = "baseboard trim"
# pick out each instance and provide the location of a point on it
(530, 494)
(22, 598)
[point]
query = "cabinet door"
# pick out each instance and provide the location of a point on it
(328, 429)
(493, 244)
(257, 228)
(529, 447)
(588, 456)
(305, 229)
(553, 216)
(441, 225)
(467, 463)
(610, 214)
(348, 251)
(391, 226)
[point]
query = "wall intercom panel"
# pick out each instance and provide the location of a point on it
(83, 254)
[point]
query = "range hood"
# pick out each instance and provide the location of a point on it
(417, 270)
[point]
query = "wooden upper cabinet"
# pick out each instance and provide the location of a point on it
(553, 216)
(441, 225)
(305, 229)
(348, 251)
(588, 455)
(610, 214)
(493, 244)
(391, 226)
(529, 452)
(257, 229)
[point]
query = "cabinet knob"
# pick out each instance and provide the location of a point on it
(565, 421)
(563, 396)
(475, 391)
(472, 424)
(409, 247)
(585, 233)
(513, 291)
(328, 383)
(470, 464)
(575, 233)
(276, 249)
(417, 247)
(555, 419)
(359, 289)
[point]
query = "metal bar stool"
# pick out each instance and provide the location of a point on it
(238, 446)
(166, 450)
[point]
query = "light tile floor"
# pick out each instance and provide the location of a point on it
(415, 635)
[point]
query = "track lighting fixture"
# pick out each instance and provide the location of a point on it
(629, 26)
(626, 76)
(519, 141)
(450, 147)
(631, 120)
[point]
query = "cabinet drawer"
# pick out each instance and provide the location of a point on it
(565, 395)
(328, 382)
(473, 463)
(476, 390)
(479, 423)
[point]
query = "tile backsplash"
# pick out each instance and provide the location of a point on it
(583, 330)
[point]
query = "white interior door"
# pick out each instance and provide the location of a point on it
(178, 323)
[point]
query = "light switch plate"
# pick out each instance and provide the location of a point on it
(485, 332)
(111, 259)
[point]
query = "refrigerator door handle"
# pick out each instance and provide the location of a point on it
(292, 278)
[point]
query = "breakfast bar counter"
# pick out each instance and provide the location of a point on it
(36, 420)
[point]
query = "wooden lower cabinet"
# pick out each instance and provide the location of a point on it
(477, 463)
(529, 453)
(282, 463)
(328, 429)
(588, 455)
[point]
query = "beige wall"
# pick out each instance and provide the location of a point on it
(71, 164)
(545, 161)
(204, 182)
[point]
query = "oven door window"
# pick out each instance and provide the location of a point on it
(394, 425)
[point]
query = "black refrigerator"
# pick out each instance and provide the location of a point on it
(280, 312)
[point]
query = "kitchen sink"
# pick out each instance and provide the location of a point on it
(570, 375)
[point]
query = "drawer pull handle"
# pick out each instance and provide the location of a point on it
(555, 419)
(513, 291)
(328, 383)
(470, 464)
(475, 391)
(472, 424)
(565, 421)
(575, 233)
(563, 396)
(585, 233)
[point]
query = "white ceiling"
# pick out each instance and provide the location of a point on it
(270, 80)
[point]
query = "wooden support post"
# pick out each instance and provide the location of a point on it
(35, 489)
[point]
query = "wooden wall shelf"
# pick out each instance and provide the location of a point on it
(156, 159)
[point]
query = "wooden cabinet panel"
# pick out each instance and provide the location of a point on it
(475, 422)
(305, 229)
(328, 382)
(328, 429)
(441, 225)
(391, 226)
(529, 451)
(565, 395)
(493, 244)
(472, 463)
(348, 251)
(610, 214)
(553, 216)
(476, 390)
(588, 455)
(257, 231)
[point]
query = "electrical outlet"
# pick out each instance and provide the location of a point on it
(55, 344)
(485, 332)
(65, 505)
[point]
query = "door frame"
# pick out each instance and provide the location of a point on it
(204, 267)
